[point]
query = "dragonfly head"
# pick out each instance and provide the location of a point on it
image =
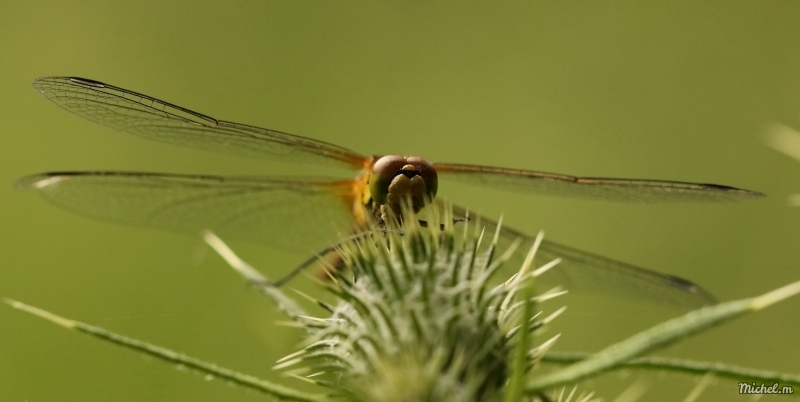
(396, 178)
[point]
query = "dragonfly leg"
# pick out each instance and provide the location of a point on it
(337, 262)
(305, 264)
(441, 225)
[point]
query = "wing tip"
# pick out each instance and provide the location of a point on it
(48, 80)
(701, 295)
(46, 85)
(734, 190)
(41, 180)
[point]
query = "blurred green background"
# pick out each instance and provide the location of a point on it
(663, 90)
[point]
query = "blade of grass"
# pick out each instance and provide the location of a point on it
(285, 304)
(720, 370)
(660, 336)
(278, 391)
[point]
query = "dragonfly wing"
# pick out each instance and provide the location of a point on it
(584, 271)
(302, 215)
(634, 190)
(154, 119)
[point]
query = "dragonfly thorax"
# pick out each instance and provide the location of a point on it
(395, 179)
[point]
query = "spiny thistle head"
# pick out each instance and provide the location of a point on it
(420, 318)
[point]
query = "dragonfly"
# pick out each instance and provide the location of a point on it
(307, 214)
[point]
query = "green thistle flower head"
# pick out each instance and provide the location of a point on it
(420, 319)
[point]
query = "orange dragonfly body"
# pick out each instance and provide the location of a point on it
(308, 214)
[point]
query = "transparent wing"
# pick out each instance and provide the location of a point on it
(302, 215)
(584, 271)
(154, 119)
(634, 190)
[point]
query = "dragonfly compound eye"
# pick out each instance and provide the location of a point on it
(395, 178)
